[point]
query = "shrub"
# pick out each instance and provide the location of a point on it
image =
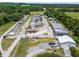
(74, 51)
(0, 54)
(47, 54)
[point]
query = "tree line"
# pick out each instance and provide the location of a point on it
(68, 9)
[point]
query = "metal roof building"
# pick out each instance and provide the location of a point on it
(59, 29)
(65, 39)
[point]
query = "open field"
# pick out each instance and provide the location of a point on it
(73, 14)
(37, 13)
(5, 27)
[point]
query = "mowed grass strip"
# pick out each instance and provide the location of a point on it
(33, 43)
(74, 15)
(6, 43)
(5, 27)
(37, 12)
(28, 22)
(21, 50)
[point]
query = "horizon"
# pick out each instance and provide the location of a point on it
(41, 1)
(44, 3)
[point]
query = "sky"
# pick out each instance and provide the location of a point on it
(42, 1)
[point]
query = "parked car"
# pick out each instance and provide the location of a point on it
(53, 44)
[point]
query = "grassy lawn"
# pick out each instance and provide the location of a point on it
(37, 13)
(28, 22)
(5, 27)
(21, 50)
(53, 53)
(33, 43)
(73, 14)
(6, 43)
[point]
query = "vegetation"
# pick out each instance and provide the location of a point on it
(47, 54)
(46, 33)
(74, 15)
(0, 54)
(53, 53)
(6, 43)
(33, 43)
(74, 51)
(12, 54)
(68, 9)
(5, 27)
(28, 22)
(22, 47)
(37, 12)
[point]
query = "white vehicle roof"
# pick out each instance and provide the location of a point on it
(11, 33)
(65, 38)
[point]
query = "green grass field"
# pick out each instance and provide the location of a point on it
(73, 14)
(5, 27)
(21, 50)
(37, 13)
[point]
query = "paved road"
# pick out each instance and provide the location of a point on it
(67, 52)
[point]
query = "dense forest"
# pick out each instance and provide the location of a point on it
(69, 22)
(14, 12)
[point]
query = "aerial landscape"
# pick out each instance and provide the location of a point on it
(39, 30)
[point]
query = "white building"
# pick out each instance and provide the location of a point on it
(66, 41)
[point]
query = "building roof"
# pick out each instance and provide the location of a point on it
(60, 31)
(65, 38)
